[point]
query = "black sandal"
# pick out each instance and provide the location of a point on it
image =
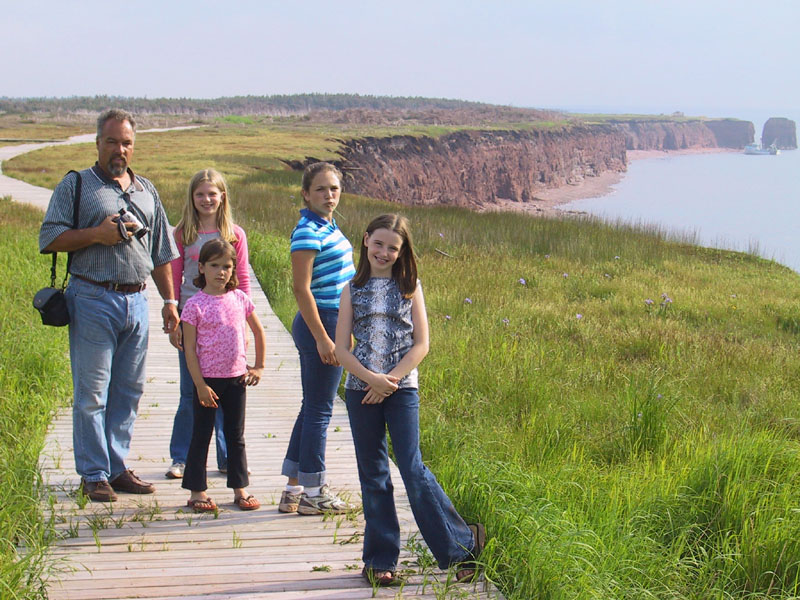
(468, 571)
(379, 577)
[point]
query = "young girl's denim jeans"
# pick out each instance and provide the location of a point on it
(445, 532)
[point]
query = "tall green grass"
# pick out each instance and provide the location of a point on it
(619, 407)
(34, 381)
(614, 447)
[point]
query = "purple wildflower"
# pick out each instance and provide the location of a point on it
(522, 281)
(565, 275)
(616, 258)
(547, 256)
(579, 316)
(441, 235)
(648, 301)
(506, 321)
(447, 317)
(467, 301)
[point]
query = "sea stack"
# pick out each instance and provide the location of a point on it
(781, 132)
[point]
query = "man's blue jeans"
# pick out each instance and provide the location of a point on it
(108, 335)
(182, 424)
(445, 532)
(305, 456)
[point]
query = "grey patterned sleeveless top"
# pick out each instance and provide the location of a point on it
(383, 329)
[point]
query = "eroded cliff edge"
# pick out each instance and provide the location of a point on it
(475, 168)
(686, 134)
(472, 168)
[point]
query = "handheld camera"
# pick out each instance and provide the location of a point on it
(139, 230)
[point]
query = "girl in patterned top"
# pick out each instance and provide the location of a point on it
(383, 308)
(215, 341)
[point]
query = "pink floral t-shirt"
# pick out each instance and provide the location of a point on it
(221, 323)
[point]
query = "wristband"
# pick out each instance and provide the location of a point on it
(171, 301)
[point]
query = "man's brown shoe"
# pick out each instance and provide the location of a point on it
(99, 491)
(130, 483)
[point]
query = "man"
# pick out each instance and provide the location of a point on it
(108, 329)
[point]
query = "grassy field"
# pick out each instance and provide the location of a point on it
(34, 381)
(17, 130)
(619, 409)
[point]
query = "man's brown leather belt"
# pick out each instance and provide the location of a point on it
(125, 288)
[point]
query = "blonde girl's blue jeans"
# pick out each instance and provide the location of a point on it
(182, 423)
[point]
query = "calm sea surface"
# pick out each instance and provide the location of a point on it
(725, 200)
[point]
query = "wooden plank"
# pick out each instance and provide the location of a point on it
(153, 547)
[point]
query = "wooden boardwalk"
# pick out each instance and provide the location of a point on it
(152, 547)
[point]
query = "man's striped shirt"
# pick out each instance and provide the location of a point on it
(128, 262)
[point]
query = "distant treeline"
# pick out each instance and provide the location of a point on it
(235, 105)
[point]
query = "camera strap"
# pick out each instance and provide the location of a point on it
(139, 212)
(76, 203)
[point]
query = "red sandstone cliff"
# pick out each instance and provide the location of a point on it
(478, 167)
(681, 135)
(732, 133)
(471, 168)
(781, 132)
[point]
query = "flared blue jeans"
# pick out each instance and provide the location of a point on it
(445, 532)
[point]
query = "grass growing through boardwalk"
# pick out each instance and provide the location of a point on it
(620, 409)
(34, 380)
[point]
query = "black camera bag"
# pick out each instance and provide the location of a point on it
(50, 301)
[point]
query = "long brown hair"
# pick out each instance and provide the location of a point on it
(404, 270)
(314, 169)
(189, 223)
(214, 249)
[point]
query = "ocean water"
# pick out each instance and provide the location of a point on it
(724, 200)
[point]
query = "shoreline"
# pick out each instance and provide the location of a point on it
(548, 202)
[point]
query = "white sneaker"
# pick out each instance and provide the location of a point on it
(289, 502)
(175, 471)
(325, 503)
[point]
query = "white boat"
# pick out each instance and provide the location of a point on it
(758, 149)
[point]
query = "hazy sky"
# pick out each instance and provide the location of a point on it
(701, 57)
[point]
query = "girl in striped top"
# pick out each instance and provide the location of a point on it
(322, 264)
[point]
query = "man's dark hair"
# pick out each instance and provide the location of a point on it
(118, 115)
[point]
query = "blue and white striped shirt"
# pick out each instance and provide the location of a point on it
(333, 264)
(130, 262)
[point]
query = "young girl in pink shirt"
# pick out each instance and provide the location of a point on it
(215, 342)
(206, 215)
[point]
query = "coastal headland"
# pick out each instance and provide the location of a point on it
(532, 169)
(419, 151)
(484, 157)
